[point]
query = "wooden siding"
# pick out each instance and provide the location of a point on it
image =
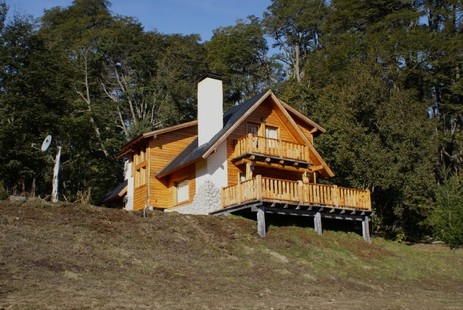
(267, 112)
(306, 129)
(161, 150)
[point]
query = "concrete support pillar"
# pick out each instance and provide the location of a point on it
(366, 229)
(261, 230)
(317, 223)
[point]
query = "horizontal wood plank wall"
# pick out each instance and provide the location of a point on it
(140, 197)
(266, 111)
(162, 150)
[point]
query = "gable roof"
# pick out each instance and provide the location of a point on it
(192, 152)
(231, 120)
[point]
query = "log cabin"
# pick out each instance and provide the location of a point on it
(258, 156)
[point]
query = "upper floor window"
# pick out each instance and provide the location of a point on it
(139, 159)
(271, 133)
(253, 128)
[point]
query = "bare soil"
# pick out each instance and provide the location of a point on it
(83, 257)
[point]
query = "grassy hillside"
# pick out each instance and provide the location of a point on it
(74, 256)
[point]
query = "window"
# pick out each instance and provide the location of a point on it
(253, 128)
(139, 159)
(271, 133)
(241, 177)
(183, 191)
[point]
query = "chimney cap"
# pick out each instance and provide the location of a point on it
(210, 75)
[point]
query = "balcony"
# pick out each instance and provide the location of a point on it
(270, 150)
(295, 193)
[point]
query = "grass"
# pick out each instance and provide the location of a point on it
(76, 256)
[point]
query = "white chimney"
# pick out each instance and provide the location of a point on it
(210, 107)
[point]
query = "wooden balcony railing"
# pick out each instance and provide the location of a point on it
(297, 192)
(272, 147)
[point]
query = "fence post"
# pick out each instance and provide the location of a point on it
(336, 196)
(259, 186)
(239, 194)
(300, 190)
(223, 196)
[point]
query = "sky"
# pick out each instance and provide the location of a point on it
(166, 16)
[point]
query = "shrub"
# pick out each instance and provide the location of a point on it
(447, 216)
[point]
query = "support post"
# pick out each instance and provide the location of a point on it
(261, 222)
(366, 229)
(318, 223)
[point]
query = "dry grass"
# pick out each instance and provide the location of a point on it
(82, 257)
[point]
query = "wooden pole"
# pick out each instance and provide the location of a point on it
(54, 191)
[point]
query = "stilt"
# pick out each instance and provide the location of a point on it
(317, 223)
(261, 222)
(366, 229)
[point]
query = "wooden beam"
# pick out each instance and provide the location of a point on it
(316, 168)
(261, 230)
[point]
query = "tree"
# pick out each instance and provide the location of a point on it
(443, 76)
(359, 86)
(447, 216)
(239, 53)
(30, 107)
(88, 132)
(296, 28)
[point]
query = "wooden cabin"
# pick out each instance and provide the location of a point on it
(258, 156)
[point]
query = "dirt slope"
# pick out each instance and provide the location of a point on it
(82, 257)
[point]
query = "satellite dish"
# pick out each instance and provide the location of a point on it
(46, 143)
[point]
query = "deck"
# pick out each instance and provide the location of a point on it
(295, 192)
(253, 144)
(268, 195)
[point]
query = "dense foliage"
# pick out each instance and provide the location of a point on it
(383, 77)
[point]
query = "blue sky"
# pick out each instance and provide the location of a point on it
(167, 16)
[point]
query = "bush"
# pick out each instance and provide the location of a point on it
(3, 192)
(447, 216)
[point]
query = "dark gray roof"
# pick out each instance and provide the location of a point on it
(192, 152)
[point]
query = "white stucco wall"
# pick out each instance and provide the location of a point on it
(213, 168)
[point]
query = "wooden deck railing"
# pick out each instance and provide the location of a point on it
(297, 192)
(272, 147)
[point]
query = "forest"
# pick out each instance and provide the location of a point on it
(383, 77)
